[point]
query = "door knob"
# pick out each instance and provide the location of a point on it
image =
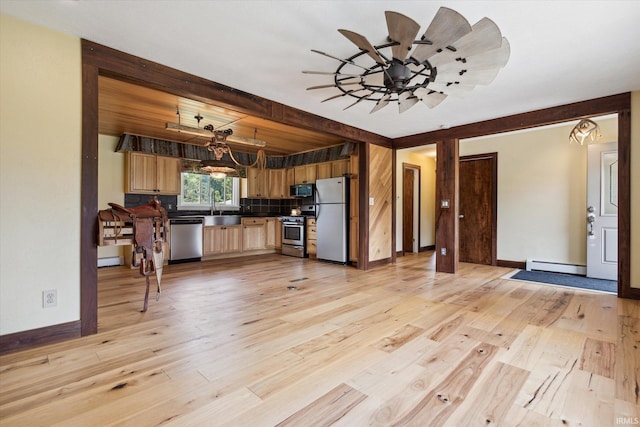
(460, 216)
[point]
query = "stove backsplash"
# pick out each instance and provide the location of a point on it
(247, 205)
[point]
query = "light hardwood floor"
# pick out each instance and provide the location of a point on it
(231, 345)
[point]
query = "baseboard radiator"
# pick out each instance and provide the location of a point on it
(556, 267)
(110, 261)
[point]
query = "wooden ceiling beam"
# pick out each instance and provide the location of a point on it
(122, 66)
(548, 116)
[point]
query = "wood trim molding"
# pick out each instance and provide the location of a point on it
(363, 207)
(37, 337)
(563, 113)
(417, 168)
(122, 66)
(447, 183)
(521, 265)
(89, 202)
(428, 248)
(380, 262)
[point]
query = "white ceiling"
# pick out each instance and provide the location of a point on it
(561, 51)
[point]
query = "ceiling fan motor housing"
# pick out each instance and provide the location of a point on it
(396, 76)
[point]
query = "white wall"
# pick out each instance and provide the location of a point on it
(427, 196)
(541, 192)
(110, 183)
(40, 162)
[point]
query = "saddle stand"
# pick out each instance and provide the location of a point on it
(147, 236)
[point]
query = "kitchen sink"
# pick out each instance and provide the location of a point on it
(210, 220)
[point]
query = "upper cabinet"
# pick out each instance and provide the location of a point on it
(257, 182)
(151, 174)
(305, 174)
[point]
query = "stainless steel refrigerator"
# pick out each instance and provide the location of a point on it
(332, 219)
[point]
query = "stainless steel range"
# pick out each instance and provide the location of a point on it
(293, 236)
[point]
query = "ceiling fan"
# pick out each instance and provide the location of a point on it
(450, 58)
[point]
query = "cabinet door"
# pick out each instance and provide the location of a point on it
(254, 234)
(289, 179)
(213, 240)
(233, 239)
(141, 173)
(278, 227)
(277, 188)
(270, 241)
(257, 182)
(339, 168)
(305, 174)
(168, 175)
(324, 170)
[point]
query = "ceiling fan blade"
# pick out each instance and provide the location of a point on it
(375, 79)
(403, 30)
(382, 102)
(406, 100)
(485, 36)
(447, 27)
(466, 76)
(364, 44)
(332, 85)
(492, 58)
(430, 98)
(457, 90)
(358, 101)
(339, 59)
(330, 73)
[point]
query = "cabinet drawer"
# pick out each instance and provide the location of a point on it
(311, 222)
(311, 247)
(254, 221)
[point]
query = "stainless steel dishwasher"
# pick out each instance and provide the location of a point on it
(186, 240)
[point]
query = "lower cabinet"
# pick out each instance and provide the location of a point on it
(254, 234)
(222, 239)
(311, 237)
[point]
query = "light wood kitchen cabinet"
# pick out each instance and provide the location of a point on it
(312, 248)
(254, 234)
(305, 174)
(222, 239)
(151, 174)
(339, 168)
(271, 233)
(257, 182)
(279, 184)
(278, 227)
(323, 170)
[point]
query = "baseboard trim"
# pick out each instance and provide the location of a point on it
(32, 338)
(428, 248)
(511, 264)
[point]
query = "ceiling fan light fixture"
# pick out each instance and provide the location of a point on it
(585, 130)
(405, 66)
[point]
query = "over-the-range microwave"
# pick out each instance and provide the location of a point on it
(301, 190)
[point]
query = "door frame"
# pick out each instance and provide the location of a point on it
(416, 209)
(494, 199)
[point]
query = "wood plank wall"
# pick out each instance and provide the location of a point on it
(380, 214)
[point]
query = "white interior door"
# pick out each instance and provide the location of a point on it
(602, 211)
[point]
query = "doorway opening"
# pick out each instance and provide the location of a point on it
(410, 208)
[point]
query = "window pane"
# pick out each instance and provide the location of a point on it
(190, 188)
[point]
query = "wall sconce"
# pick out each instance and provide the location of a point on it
(585, 129)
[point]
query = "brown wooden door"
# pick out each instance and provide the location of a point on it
(477, 213)
(407, 210)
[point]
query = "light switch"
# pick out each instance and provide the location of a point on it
(444, 203)
(370, 201)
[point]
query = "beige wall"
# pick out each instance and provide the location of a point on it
(541, 192)
(40, 156)
(110, 183)
(635, 189)
(427, 196)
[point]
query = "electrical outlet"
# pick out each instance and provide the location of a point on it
(371, 201)
(50, 298)
(443, 251)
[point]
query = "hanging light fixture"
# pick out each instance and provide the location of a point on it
(585, 130)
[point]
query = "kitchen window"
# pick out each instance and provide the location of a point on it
(197, 191)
